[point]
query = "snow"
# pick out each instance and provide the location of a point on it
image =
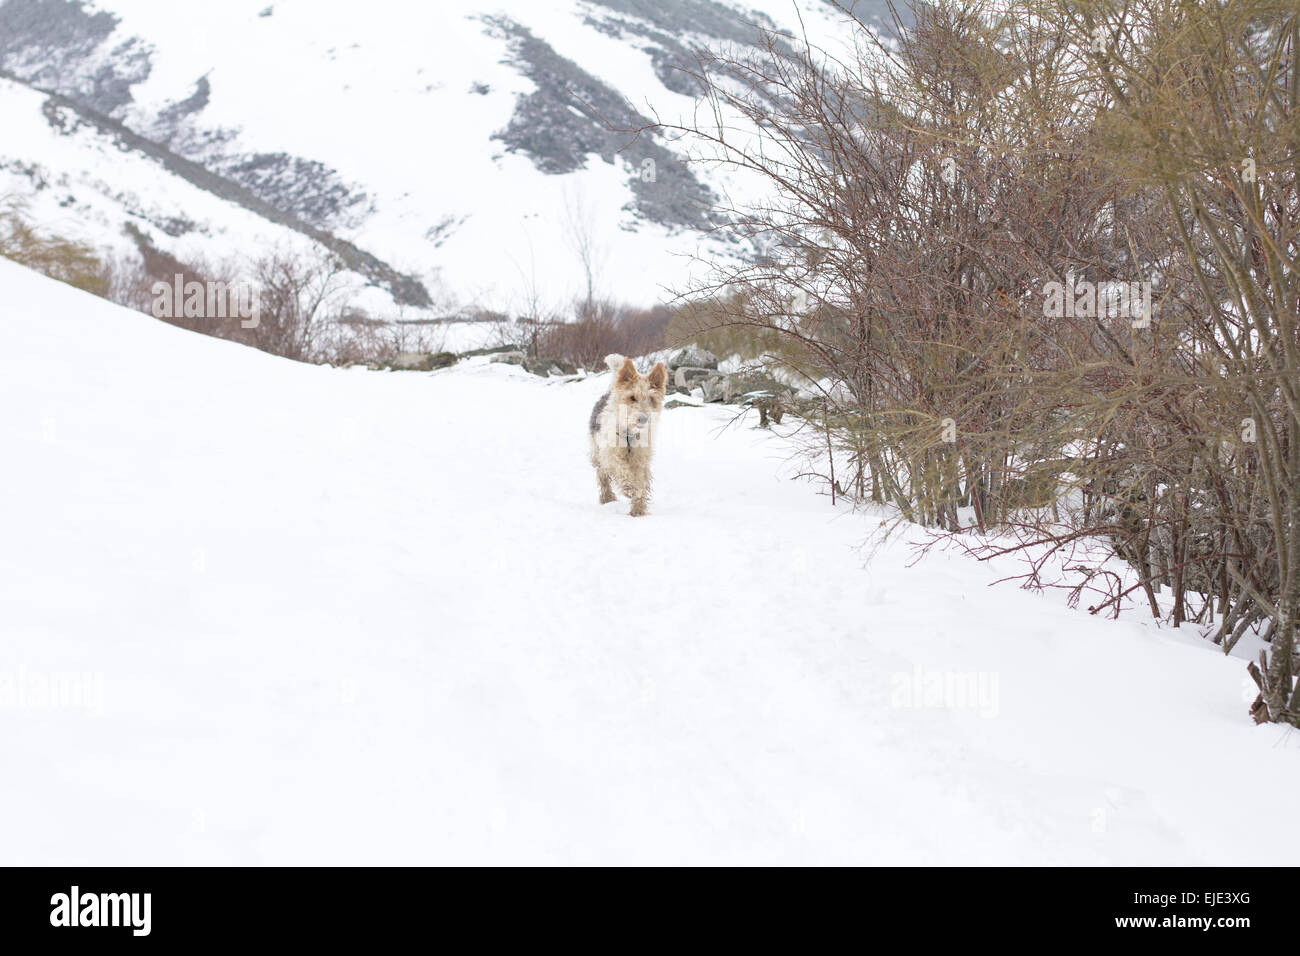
(90, 187)
(384, 97)
(312, 615)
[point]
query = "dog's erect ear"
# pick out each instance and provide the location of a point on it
(658, 377)
(626, 374)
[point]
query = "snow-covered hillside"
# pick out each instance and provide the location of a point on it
(442, 139)
(261, 612)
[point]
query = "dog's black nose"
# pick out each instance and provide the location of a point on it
(642, 419)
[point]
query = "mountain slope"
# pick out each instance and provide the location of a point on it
(458, 144)
(301, 614)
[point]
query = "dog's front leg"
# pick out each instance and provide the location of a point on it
(638, 507)
(606, 489)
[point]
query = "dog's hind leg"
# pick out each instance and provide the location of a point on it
(606, 489)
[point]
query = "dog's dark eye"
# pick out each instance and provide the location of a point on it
(632, 399)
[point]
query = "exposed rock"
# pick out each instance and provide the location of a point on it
(745, 386)
(687, 378)
(714, 389)
(491, 350)
(572, 115)
(514, 357)
(422, 361)
(692, 357)
(545, 367)
(64, 113)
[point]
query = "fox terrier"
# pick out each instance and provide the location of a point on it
(622, 430)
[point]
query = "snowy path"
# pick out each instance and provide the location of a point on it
(339, 616)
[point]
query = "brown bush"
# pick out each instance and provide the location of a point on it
(68, 261)
(301, 298)
(600, 330)
(927, 192)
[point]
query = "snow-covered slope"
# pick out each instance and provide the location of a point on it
(260, 612)
(445, 139)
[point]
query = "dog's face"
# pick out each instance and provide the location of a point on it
(637, 401)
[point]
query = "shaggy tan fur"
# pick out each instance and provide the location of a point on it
(623, 428)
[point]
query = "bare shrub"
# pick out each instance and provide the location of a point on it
(928, 194)
(136, 282)
(302, 301)
(300, 296)
(600, 329)
(129, 283)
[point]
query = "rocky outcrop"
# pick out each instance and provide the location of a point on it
(686, 377)
(546, 367)
(692, 357)
(423, 361)
(694, 370)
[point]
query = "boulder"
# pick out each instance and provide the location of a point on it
(491, 350)
(422, 361)
(715, 389)
(514, 357)
(743, 387)
(545, 367)
(688, 377)
(692, 357)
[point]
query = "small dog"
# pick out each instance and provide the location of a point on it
(622, 430)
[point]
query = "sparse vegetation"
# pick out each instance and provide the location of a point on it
(69, 261)
(601, 329)
(930, 195)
